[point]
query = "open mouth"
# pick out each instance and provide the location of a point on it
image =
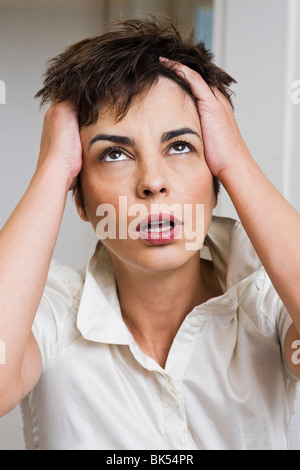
(159, 228)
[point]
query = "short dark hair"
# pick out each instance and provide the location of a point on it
(123, 62)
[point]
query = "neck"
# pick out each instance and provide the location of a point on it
(154, 305)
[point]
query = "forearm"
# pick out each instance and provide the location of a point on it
(272, 225)
(27, 242)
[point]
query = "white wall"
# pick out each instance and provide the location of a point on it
(252, 39)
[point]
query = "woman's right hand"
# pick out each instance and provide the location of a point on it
(60, 142)
(27, 242)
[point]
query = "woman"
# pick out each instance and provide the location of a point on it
(157, 344)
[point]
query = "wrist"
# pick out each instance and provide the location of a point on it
(238, 167)
(52, 170)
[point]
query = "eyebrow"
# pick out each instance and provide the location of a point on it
(178, 132)
(123, 140)
(117, 139)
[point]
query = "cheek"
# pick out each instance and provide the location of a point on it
(197, 185)
(105, 191)
(198, 195)
(96, 191)
(105, 183)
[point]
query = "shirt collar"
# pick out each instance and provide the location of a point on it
(231, 251)
(99, 316)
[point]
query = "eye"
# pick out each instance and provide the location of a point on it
(114, 154)
(178, 148)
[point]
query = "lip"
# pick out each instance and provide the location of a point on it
(161, 236)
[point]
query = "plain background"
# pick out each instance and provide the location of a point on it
(256, 41)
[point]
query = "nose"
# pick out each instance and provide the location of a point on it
(152, 180)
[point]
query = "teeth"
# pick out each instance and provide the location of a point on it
(160, 222)
(159, 226)
(158, 229)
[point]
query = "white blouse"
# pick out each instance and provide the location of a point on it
(225, 384)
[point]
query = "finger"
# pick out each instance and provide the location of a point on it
(198, 85)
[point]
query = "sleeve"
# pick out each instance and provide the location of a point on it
(272, 306)
(58, 306)
(283, 324)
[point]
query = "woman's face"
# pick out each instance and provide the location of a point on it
(153, 156)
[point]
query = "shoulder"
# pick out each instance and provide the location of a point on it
(65, 281)
(55, 322)
(264, 315)
(260, 302)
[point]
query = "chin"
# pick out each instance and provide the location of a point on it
(152, 258)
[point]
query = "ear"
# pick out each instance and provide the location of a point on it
(79, 205)
(216, 201)
(216, 191)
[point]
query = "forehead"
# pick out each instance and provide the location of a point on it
(166, 105)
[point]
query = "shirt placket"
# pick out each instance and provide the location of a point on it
(176, 432)
(175, 422)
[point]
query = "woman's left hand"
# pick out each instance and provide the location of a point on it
(224, 147)
(271, 223)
